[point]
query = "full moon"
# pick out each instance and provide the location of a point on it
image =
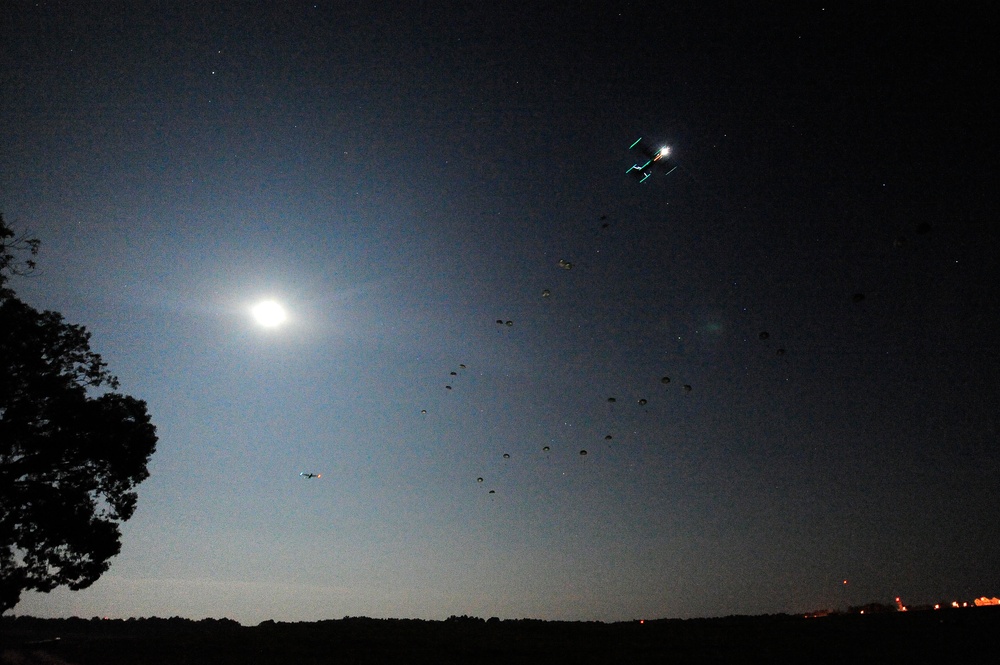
(269, 314)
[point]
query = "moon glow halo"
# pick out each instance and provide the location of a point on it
(269, 313)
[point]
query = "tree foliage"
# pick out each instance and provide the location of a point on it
(12, 248)
(72, 451)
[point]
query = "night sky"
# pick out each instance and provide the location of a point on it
(400, 176)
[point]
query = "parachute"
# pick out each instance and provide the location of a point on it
(479, 479)
(687, 388)
(506, 455)
(642, 402)
(583, 453)
(546, 293)
(665, 380)
(565, 265)
(764, 335)
(608, 437)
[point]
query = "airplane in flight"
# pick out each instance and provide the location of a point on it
(656, 159)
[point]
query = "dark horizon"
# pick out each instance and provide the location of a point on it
(872, 607)
(898, 637)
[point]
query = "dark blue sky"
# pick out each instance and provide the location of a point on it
(399, 177)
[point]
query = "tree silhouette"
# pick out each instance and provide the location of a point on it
(71, 450)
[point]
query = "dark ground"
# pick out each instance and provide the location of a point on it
(945, 636)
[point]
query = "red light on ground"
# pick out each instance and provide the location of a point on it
(642, 621)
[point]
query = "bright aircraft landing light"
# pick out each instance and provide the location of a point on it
(269, 314)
